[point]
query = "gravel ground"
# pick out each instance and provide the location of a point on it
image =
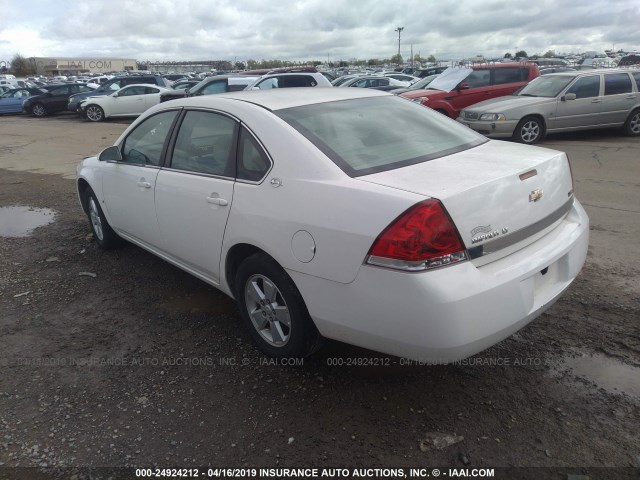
(117, 358)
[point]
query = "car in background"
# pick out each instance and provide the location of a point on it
(425, 72)
(289, 80)
(345, 78)
(561, 102)
(402, 77)
(11, 101)
(184, 84)
(172, 77)
(212, 85)
(379, 82)
(55, 99)
(419, 85)
(459, 87)
(548, 70)
(427, 243)
(115, 84)
(129, 101)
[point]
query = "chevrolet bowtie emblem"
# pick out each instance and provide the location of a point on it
(535, 195)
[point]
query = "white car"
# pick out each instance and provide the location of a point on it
(289, 80)
(344, 213)
(129, 101)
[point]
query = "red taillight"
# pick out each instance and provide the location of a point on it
(423, 237)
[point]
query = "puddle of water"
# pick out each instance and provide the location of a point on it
(613, 376)
(199, 302)
(21, 221)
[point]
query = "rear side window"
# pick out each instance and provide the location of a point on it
(509, 75)
(289, 81)
(617, 83)
(636, 76)
(586, 87)
(215, 87)
(253, 162)
(206, 144)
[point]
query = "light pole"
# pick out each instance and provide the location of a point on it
(399, 30)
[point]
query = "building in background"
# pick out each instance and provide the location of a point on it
(50, 66)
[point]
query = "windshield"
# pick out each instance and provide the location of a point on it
(423, 82)
(545, 86)
(450, 78)
(370, 135)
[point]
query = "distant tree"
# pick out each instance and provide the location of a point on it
(373, 61)
(396, 59)
(549, 54)
(240, 66)
(252, 64)
(521, 54)
(342, 63)
(507, 55)
(3, 69)
(21, 66)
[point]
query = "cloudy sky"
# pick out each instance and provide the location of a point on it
(311, 29)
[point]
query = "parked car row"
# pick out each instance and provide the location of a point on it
(499, 100)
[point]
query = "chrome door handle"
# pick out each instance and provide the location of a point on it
(143, 184)
(217, 201)
(595, 100)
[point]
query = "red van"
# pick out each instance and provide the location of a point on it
(459, 87)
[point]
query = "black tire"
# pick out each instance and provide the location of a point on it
(530, 130)
(632, 125)
(39, 110)
(267, 298)
(94, 113)
(103, 234)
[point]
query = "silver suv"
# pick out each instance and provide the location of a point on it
(561, 102)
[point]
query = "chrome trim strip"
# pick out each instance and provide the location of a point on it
(499, 243)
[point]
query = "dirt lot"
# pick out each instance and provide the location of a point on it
(119, 359)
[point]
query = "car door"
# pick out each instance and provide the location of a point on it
(129, 185)
(194, 191)
(618, 99)
(12, 102)
(584, 110)
(129, 100)
(151, 97)
(478, 85)
(57, 98)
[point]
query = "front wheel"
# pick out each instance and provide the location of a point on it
(94, 113)
(39, 110)
(530, 130)
(632, 125)
(273, 309)
(105, 237)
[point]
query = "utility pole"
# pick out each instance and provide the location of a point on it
(399, 30)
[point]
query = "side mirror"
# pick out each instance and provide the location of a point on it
(110, 154)
(568, 96)
(463, 86)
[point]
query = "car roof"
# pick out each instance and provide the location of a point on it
(576, 73)
(278, 99)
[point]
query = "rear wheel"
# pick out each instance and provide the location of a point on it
(94, 113)
(273, 309)
(39, 110)
(530, 130)
(632, 125)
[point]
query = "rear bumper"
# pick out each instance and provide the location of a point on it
(451, 313)
(503, 129)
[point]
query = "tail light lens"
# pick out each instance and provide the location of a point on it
(423, 237)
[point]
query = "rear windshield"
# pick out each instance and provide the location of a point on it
(370, 135)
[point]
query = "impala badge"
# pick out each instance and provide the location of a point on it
(535, 195)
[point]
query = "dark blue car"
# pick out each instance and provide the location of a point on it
(11, 100)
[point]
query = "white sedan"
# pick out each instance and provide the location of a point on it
(344, 213)
(129, 101)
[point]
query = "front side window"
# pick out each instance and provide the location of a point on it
(127, 92)
(586, 87)
(370, 135)
(144, 145)
(617, 83)
(60, 91)
(478, 78)
(206, 144)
